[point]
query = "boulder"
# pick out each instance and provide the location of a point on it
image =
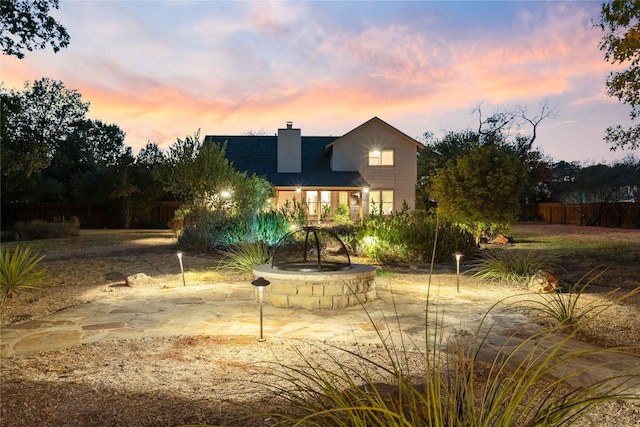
(543, 282)
(139, 280)
(502, 239)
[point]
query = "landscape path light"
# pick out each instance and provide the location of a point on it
(260, 283)
(181, 268)
(458, 256)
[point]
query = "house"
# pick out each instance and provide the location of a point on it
(371, 168)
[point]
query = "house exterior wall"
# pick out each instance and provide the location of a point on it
(351, 153)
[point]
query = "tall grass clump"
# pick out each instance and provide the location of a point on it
(510, 266)
(244, 257)
(565, 310)
(458, 380)
(56, 229)
(19, 272)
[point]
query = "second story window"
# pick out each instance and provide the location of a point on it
(381, 158)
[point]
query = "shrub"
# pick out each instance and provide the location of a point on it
(213, 230)
(269, 227)
(245, 256)
(48, 230)
(407, 236)
(342, 215)
(295, 213)
(19, 273)
(205, 231)
(513, 267)
(347, 233)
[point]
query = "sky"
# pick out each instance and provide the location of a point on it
(162, 70)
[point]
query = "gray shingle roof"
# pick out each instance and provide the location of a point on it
(258, 155)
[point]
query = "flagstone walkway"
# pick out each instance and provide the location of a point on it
(398, 316)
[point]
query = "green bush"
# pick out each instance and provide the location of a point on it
(295, 213)
(245, 256)
(408, 236)
(342, 215)
(19, 273)
(269, 227)
(48, 230)
(510, 266)
(213, 230)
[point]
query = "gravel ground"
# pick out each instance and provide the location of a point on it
(187, 380)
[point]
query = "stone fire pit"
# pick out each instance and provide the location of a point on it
(311, 269)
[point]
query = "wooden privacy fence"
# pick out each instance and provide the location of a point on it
(98, 215)
(157, 215)
(612, 214)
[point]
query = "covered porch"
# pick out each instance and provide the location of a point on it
(322, 203)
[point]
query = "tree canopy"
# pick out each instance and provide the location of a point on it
(36, 122)
(620, 20)
(26, 25)
(480, 189)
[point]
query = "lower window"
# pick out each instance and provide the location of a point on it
(381, 201)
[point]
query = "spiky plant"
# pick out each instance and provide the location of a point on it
(244, 257)
(510, 266)
(459, 381)
(19, 273)
(565, 310)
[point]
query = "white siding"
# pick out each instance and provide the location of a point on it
(351, 153)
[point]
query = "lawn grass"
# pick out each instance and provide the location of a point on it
(582, 243)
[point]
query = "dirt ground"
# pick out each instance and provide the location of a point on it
(208, 379)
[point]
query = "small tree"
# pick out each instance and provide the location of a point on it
(480, 191)
(198, 174)
(213, 192)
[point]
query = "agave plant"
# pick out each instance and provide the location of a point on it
(19, 273)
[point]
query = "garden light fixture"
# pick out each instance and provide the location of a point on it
(181, 267)
(260, 283)
(458, 256)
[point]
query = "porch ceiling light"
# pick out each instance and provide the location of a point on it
(298, 189)
(365, 190)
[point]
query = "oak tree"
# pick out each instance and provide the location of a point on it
(27, 25)
(620, 20)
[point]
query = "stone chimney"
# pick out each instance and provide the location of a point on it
(289, 150)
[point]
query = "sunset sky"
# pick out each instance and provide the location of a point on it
(164, 69)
